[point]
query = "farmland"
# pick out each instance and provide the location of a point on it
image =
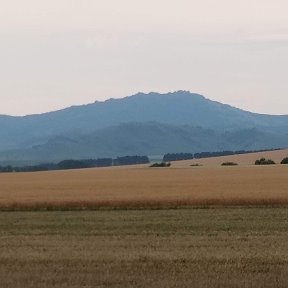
(216, 247)
(183, 226)
(144, 187)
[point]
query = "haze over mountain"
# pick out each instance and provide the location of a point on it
(141, 124)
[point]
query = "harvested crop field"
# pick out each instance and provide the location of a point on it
(230, 227)
(145, 187)
(216, 247)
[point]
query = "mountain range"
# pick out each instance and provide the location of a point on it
(142, 124)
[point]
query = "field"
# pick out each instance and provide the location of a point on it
(216, 247)
(144, 187)
(183, 226)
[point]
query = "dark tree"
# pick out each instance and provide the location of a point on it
(264, 161)
(285, 161)
(72, 164)
(159, 165)
(130, 160)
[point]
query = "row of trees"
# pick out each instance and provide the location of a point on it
(177, 156)
(188, 156)
(126, 160)
(78, 164)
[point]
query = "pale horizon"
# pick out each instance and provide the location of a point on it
(61, 53)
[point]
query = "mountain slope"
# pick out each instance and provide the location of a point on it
(179, 108)
(147, 124)
(144, 139)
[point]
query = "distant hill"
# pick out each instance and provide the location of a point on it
(145, 124)
(144, 139)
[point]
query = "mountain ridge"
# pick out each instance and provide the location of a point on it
(175, 109)
(134, 96)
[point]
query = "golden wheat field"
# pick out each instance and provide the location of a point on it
(230, 227)
(145, 187)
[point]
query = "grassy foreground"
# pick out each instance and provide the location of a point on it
(216, 247)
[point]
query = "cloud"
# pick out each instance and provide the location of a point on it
(271, 37)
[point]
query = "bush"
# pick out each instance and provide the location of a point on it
(163, 164)
(284, 161)
(264, 161)
(229, 164)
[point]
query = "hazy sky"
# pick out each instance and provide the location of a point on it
(59, 53)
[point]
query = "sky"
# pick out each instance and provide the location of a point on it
(59, 53)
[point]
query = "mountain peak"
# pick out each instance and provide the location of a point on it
(179, 93)
(173, 108)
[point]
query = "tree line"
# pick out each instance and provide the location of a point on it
(189, 156)
(78, 164)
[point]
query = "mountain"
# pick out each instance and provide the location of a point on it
(144, 139)
(141, 124)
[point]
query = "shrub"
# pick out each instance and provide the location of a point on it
(163, 164)
(285, 161)
(264, 161)
(196, 165)
(229, 164)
